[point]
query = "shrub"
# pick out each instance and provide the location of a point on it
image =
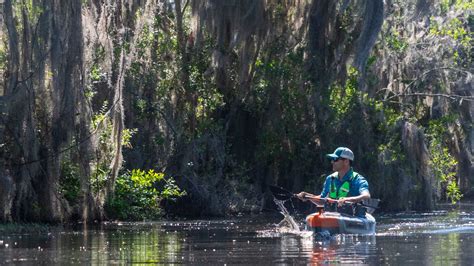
(138, 194)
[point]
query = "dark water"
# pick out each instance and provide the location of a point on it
(437, 238)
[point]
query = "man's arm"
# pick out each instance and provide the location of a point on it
(364, 195)
(362, 186)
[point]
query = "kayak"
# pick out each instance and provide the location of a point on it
(337, 223)
(330, 219)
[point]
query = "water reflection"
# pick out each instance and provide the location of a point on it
(139, 246)
(301, 247)
(344, 249)
(130, 244)
(438, 238)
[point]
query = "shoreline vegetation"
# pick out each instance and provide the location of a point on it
(140, 109)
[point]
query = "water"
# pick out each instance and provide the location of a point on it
(436, 238)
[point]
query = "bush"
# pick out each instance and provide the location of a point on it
(138, 195)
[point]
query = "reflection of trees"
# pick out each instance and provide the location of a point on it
(145, 246)
(430, 238)
(424, 249)
(445, 250)
(353, 249)
(340, 249)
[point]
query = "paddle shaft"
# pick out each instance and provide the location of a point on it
(336, 201)
(283, 194)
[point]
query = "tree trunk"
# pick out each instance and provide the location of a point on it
(22, 142)
(44, 84)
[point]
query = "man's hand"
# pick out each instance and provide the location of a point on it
(304, 196)
(341, 201)
(362, 196)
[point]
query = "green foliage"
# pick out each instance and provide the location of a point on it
(209, 98)
(146, 40)
(99, 177)
(396, 42)
(394, 149)
(102, 125)
(444, 167)
(270, 146)
(457, 29)
(3, 55)
(138, 195)
(208, 101)
(95, 73)
(69, 183)
(33, 10)
(153, 81)
(101, 122)
(442, 162)
(3, 62)
(342, 99)
(465, 5)
(446, 5)
(279, 85)
(127, 135)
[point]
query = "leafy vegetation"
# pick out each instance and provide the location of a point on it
(343, 98)
(442, 162)
(138, 195)
(69, 183)
(233, 103)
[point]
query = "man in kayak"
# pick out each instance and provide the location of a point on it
(344, 185)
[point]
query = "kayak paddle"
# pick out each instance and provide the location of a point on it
(283, 194)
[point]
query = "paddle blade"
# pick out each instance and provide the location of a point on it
(280, 193)
(371, 204)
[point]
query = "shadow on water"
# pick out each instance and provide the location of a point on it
(444, 237)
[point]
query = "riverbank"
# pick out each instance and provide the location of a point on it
(26, 228)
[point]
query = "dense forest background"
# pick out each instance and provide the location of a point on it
(105, 103)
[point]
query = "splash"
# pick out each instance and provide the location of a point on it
(287, 226)
(288, 221)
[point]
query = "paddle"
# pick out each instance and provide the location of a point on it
(283, 194)
(371, 204)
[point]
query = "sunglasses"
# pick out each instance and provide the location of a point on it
(335, 160)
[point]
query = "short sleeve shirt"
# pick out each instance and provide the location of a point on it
(357, 186)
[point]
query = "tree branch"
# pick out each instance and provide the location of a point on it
(423, 75)
(185, 6)
(417, 94)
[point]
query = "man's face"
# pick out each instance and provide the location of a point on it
(338, 164)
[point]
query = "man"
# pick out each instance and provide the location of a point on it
(344, 185)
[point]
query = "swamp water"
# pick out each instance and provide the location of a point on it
(444, 237)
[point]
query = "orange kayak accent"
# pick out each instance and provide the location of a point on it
(320, 220)
(337, 223)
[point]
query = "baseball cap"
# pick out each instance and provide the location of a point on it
(341, 152)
